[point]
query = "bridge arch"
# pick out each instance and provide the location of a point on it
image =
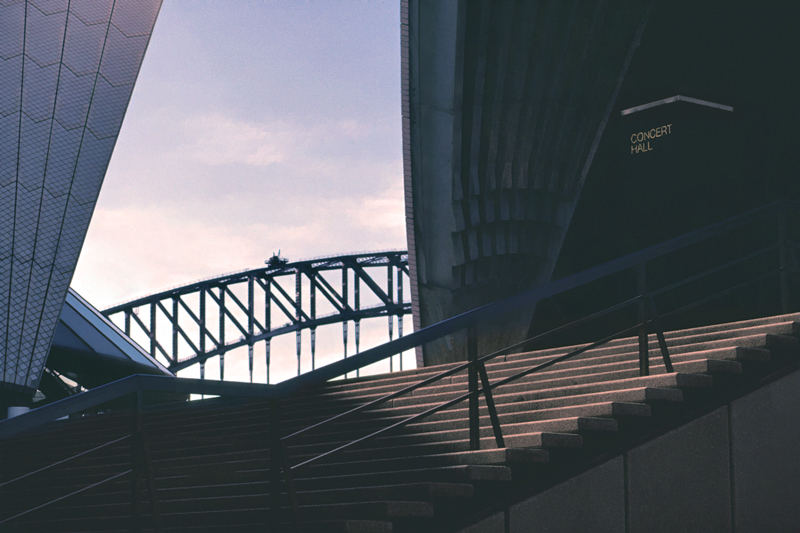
(188, 325)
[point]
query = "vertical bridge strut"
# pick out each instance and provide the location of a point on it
(189, 325)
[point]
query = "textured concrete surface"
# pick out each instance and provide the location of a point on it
(493, 164)
(680, 481)
(493, 524)
(593, 501)
(766, 452)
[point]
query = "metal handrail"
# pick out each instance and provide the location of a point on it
(476, 365)
(451, 371)
(461, 398)
(139, 455)
(622, 264)
(527, 298)
(501, 382)
(558, 329)
(115, 389)
(135, 384)
(64, 497)
(61, 462)
(127, 385)
(636, 260)
(66, 460)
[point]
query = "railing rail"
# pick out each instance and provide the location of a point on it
(515, 302)
(122, 387)
(648, 318)
(66, 496)
(140, 466)
(110, 391)
(66, 460)
(131, 386)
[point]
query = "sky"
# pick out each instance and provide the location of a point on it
(253, 127)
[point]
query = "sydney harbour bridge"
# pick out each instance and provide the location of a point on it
(189, 325)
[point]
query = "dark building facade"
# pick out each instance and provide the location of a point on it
(541, 138)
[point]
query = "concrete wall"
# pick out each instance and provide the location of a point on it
(597, 504)
(680, 481)
(766, 458)
(735, 469)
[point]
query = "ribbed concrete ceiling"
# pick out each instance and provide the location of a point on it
(504, 105)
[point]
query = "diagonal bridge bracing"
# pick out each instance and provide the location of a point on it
(189, 325)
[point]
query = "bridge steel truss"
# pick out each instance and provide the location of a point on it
(186, 326)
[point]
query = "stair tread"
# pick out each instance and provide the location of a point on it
(212, 461)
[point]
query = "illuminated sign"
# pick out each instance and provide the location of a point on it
(645, 140)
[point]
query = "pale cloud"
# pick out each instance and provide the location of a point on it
(172, 221)
(215, 139)
(133, 251)
(218, 139)
(385, 212)
(233, 148)
(352, 128)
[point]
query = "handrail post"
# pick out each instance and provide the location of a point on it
(662, 342)
(489, 397)
(147, 463)
(472, 377)
(140, 460)
(783, 260)
(641, 289)
(135, 523)
(290, 488)
(276, 462)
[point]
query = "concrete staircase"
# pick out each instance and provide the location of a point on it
(211, 459)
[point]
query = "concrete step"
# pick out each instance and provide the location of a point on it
(431, 491)
(418, 373)
(364, 508)
(212, 461)
(681, 363)
(678, 341)
(231, 468)
(107, 518)
(257, 524)
(675, 340)
(602, 381)
(255, 480)
(638, 394)
(753, 341)
(600, 409)
(258, 433)
(696, 366)
(408, 437)
(690, 362)
(227, 466)
(363, 395)
(633, 394)
(452, 437)
(605, 383)
(496, 456)
(625, 361)
(559, 434)
(655, 358)
(460, 419)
